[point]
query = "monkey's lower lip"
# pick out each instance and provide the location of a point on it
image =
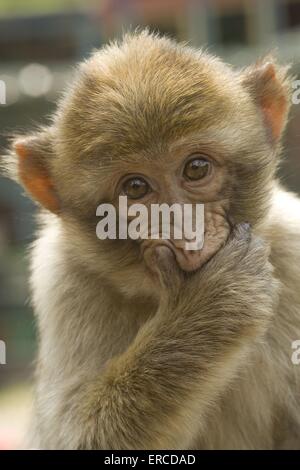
(187, 260)
(150, 251)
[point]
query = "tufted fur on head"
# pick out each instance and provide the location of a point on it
(132, 99)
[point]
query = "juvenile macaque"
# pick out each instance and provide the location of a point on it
(145, 344)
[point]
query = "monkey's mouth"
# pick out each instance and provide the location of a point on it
(187, 260)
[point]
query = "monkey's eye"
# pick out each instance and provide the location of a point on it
(136, 188)
(196, 169)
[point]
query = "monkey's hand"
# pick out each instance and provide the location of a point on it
(156, 393)
(236, 288)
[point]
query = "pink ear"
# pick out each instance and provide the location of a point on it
(274, 105)
(270, 87)
(35, 178)
(275, 116)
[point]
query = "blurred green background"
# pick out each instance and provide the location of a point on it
(40, 41)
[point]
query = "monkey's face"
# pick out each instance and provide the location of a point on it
(185, 175)
(158, 123)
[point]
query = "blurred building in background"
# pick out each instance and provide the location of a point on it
(39, 44)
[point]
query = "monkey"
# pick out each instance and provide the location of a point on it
(144, 344)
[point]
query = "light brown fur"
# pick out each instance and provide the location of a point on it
(130, 358)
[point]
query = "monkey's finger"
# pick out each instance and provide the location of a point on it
(245, 249)
(233, 251)
(239, 240)
(241, 232)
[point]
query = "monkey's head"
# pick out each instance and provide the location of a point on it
(159, 123)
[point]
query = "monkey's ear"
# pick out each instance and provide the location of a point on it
(271, 88)
(29, 164)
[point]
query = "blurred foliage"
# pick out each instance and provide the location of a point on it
(20, 7)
